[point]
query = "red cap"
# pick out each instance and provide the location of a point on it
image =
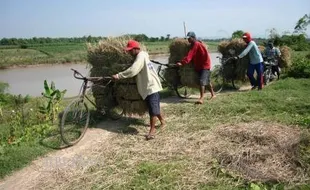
(247, 37)
(132, 44)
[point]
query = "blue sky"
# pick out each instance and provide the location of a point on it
(208, 18)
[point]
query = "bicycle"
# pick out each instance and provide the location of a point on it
(76, 116)
(219, 78)
(181, 90)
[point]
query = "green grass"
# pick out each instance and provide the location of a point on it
(284, 101)
(13, 158)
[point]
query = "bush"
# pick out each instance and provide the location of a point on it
(3, 87)
(300, 68)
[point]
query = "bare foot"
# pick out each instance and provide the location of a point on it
(163, 125)
(150, 136)
(200, 101)
(212, 97)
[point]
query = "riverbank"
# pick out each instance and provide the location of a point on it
(12, 57)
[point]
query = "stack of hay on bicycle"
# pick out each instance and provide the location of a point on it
(235, 47)
(107, 58)
(188, 77)
(230, 49)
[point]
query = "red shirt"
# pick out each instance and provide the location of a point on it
(199, 55)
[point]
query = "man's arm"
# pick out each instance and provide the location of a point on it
(246, 50)
(134, 69)
(190, 54)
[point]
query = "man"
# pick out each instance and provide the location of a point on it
(273, 53)
(199, 55)
(148, 83)
(256, 61)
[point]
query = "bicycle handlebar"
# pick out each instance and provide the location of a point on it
(162, 64)
(225, 60)
(88, 78)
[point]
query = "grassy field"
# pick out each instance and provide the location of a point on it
(184, 156)
(64, 53)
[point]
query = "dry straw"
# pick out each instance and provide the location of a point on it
(241, 65)
(178, 49)
(107, 57)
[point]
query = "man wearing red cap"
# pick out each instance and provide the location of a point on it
(202, 63)
(148, 83)
(256, 61)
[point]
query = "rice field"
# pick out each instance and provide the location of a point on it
(64, 53)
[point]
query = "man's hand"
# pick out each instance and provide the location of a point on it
(115, 77)
(179, 64)
(236, 58)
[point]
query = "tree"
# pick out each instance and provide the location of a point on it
(302, 23)
(168, 37)
(237, 34)
(273, 33)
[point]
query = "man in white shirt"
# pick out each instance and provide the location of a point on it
(148, 83)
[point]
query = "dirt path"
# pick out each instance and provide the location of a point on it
(44, 167)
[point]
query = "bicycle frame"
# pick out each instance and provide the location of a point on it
(85, 86)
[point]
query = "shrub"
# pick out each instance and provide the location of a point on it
(300, 68)
(3, 87)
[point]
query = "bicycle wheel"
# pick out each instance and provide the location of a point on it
(236, 84)
(267, 76)
(217, 79)
(116, 112)
(74, 122)
(182, 91)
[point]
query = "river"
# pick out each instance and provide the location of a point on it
(29, 80)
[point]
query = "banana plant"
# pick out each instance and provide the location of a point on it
(54, 97)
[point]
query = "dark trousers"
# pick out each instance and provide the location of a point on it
(259, 68)
(275, 69)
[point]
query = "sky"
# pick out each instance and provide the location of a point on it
(207, 18)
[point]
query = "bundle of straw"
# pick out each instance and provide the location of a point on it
(285, 58)
(107, 58)
(234, 48)
(178, 49)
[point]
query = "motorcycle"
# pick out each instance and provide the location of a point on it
(268, 73)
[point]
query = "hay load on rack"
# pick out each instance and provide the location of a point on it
(285, 59)
(234, 48)
(179, 49)
(107, 58)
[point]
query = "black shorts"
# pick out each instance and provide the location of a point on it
(204, 77)
(153, 103)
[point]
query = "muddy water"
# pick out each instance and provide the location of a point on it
(30, 80)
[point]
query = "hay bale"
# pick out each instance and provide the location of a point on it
(237, 45)
(285, 59)
(108, 57)
(259, 151)
(178, 49)
(171, 75)
(186, 74)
